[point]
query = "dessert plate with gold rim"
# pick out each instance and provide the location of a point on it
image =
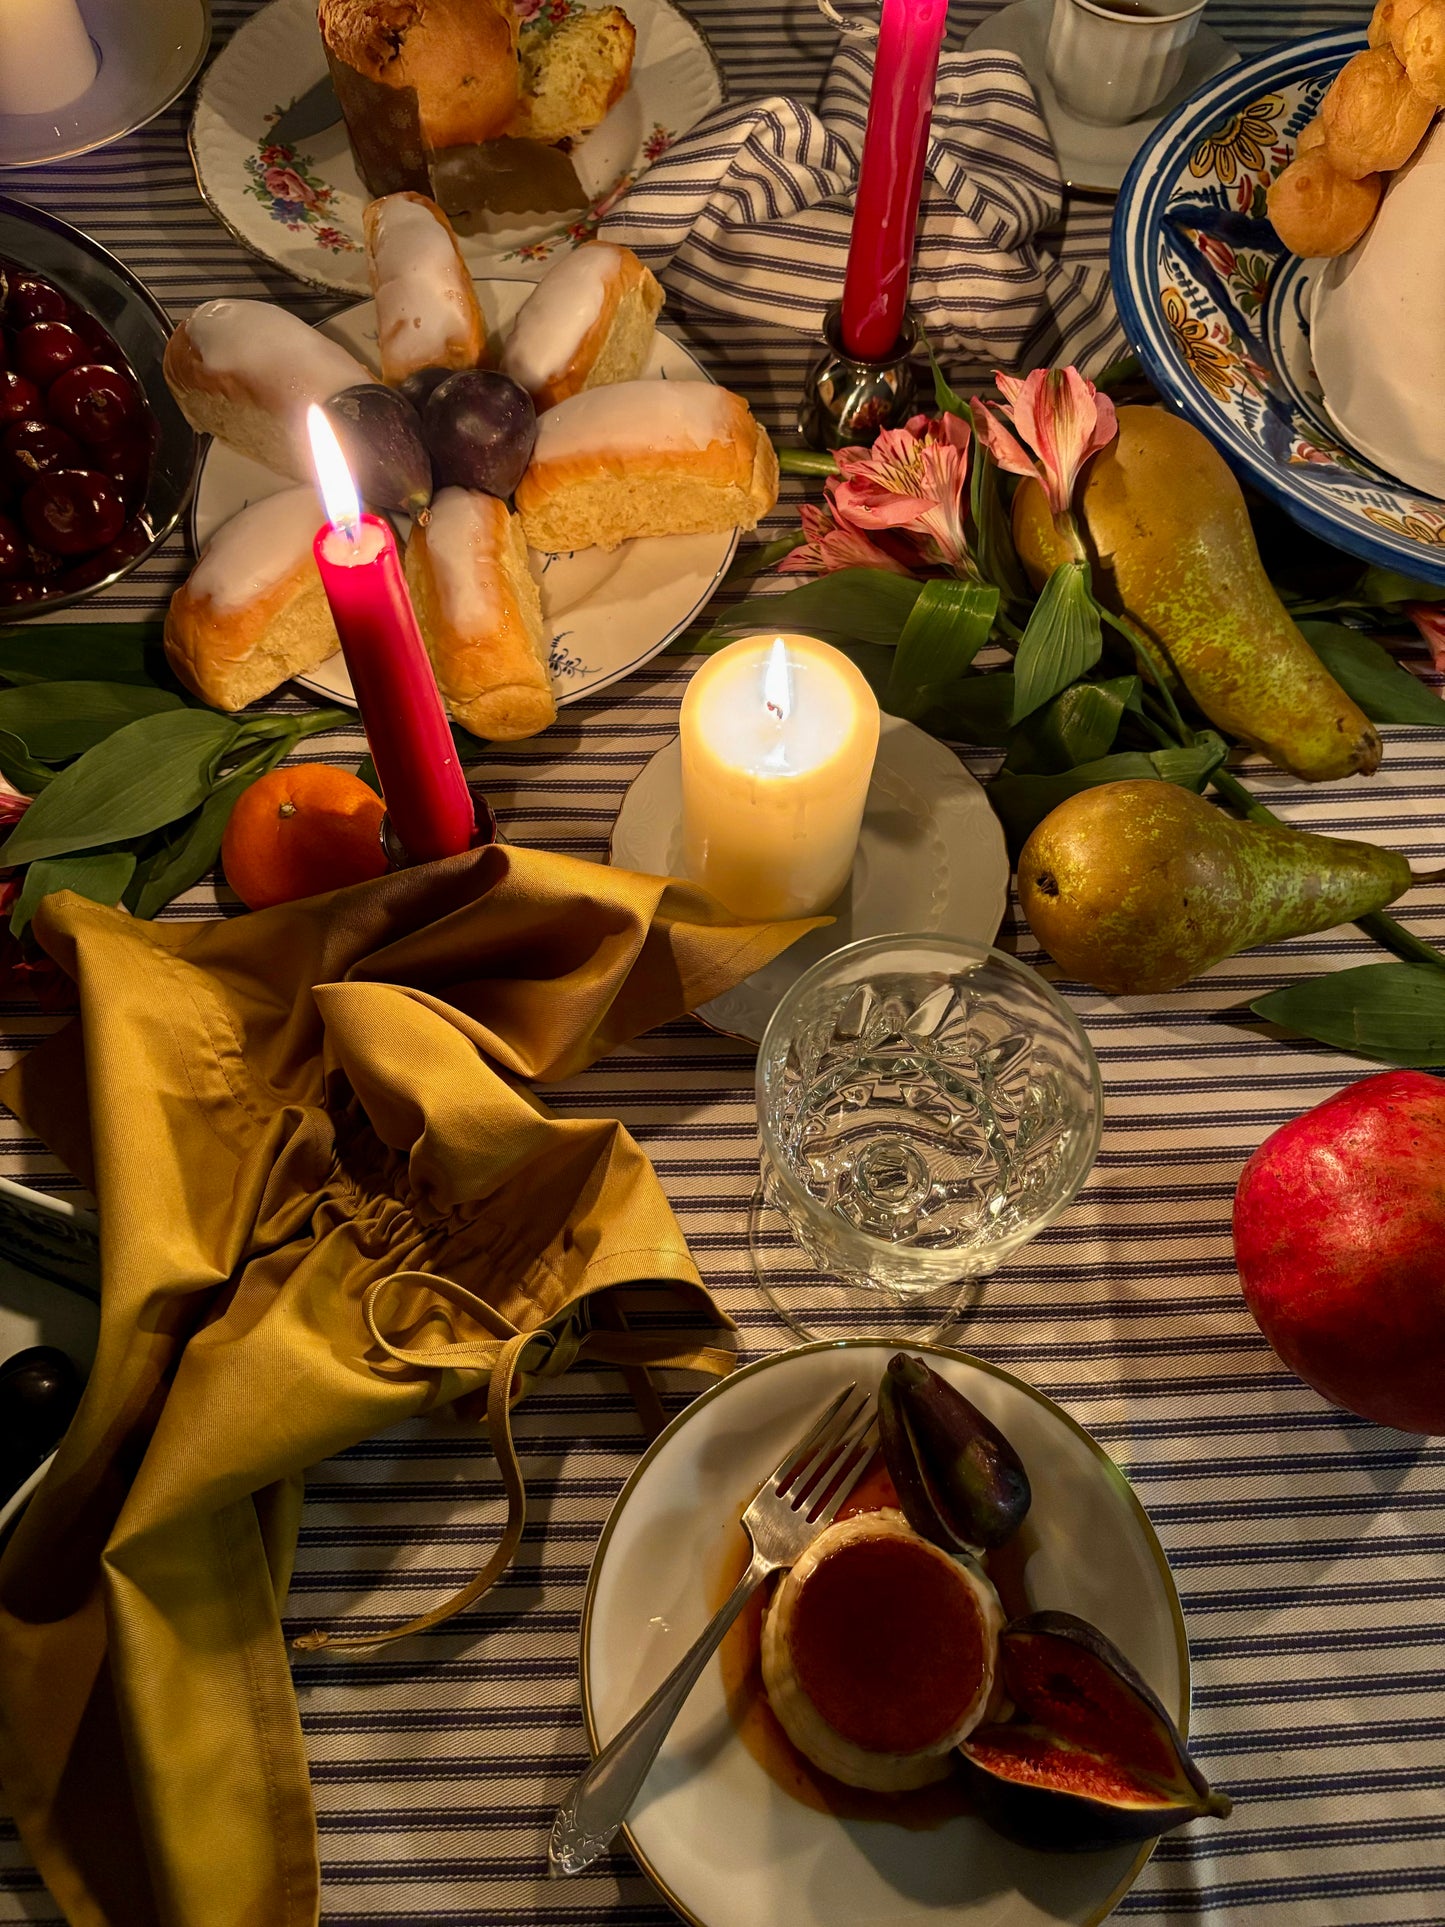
(931, 857)
(301, 205)
(604, 615)
(719, 1837)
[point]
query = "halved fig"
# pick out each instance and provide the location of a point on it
(1091, 1759)
(959, 1481)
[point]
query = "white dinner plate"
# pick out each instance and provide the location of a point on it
(1093, 159)
(148, 53)
(720, 1838)
(603, 614)
(931, 858)
(301, 206)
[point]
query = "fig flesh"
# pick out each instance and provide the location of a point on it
(1091, 1758)
(380, 436)
(959, 1481)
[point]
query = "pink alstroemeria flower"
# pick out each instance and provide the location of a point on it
(830, 546)
(1429, 619)
(1060, 420)
(912, 480)
(13, 804)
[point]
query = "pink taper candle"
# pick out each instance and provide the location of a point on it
(890, 179)
(401, 708)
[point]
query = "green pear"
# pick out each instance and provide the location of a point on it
(1170, 545)
(1141, 886)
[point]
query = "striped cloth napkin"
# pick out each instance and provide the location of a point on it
(749, 215)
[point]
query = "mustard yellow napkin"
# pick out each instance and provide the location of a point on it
(327, 1203)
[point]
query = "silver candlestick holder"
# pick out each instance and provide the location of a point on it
(847, 401)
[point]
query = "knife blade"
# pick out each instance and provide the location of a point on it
(314, 110)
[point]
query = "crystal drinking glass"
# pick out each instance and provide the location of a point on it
(926, 1106)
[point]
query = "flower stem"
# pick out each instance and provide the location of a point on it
(806, 461)
(1146, 656)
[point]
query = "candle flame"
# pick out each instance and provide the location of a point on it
(778, 682)
(333, 477)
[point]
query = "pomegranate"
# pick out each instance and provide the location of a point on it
(1339, 1233)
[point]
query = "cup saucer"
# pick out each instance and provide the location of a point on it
(1092, 160)
(931, 858)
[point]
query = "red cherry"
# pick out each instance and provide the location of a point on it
(92, 401)
(45, 349)
(132, 541)
(12, 550)
(17, 593)
(28, 448)
(41, 563)
(70, 511)
(18, 397)
(32, 299)
(99, 341)
(129, 462)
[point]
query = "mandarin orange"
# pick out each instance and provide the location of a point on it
(298, 831)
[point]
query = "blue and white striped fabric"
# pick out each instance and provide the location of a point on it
(750, 214)
(1309, 1546)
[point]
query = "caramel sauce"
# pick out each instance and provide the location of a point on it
(740, 1657)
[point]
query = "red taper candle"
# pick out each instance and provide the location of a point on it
(890, 176)
(396, 690)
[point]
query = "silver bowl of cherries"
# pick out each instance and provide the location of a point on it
(96, 463)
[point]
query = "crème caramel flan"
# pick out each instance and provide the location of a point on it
(878, 1653)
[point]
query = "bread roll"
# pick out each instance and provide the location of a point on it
(253, 612)
(1423, 51)
(1310, 137)
(413, 76)
(245, 371)
(572, 77)
(1316, 211)
(1388, 23)
(588, 322)
(426, 307)
(480, 615)
(645, 458)
(1373, 118)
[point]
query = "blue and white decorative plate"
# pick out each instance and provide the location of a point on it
(603, 615)
(1217, 309)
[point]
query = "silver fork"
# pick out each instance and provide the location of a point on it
(813, 1479)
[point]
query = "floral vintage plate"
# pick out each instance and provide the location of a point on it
(301, 206)
(931, 857)
(1218, 309)
(718, 1835)
(604, 615)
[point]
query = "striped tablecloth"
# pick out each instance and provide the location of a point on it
(1307, 1545)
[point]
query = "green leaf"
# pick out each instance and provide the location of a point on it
(947, 399)
(143, 776)
(101, 875)
(973, 710)
(1061, 641)
(1391, 1011)
(807, 461)
(179, 864)
(19, 767)
(1078, 726)
(760, 556)
(1384, 588)
(947, 626)
(1022, 802)
(57, 720)
(366, 773)
(85, 652)
(993, 543)
(1386, 692)
(870, 605)
(1119, 373)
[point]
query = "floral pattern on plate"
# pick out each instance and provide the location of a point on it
(1218, 309)
(302, 208)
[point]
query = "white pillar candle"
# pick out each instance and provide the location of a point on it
(46, 59)
(779, 734)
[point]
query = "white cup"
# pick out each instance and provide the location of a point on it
(1110, 64)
